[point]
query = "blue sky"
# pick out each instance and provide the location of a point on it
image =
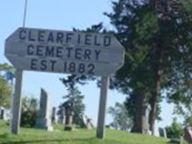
(61, 15)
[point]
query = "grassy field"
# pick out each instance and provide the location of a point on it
(80, 136)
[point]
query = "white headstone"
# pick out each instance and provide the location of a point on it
(4, 113)
(61, 118)
(53, 115)
(162, 132)
(68, 118)
(44, 115)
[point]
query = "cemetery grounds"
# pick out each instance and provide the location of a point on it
(78, 136)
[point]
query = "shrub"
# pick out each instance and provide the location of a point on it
(28, 112)
(175, 130)
(28, 118)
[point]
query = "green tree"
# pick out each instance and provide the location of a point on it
(180, 92)
(136, 25)
(158, 45)
(73, 101)
(175, 130)
(5, 92)
(6, 67)
(156, 36)
(182, 98)
(71, 80)
(121, 119)
(5, 87)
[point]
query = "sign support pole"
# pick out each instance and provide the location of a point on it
(25, 13)
(16, 103)
(102, 107)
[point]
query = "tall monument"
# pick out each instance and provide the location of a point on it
(44, 113)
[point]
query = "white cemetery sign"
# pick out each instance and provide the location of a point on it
(80, 53)
(64, 51)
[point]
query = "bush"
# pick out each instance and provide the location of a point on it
(28, 118)
(29, 112)
(175, 130)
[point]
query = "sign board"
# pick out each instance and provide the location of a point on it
(79, 53)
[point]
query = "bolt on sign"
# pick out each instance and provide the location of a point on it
(64, 51)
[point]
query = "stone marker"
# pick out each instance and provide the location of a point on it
(61, 118)
(188, 134)
(68, 118)
(2, 113)
(162, 133)
(44, 115)
(53, 115)
(84, 120)
(89, 124)
(5, 114)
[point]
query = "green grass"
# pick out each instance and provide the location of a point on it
(80, 136)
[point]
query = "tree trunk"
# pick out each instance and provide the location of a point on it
(140, 110)
(152, 115)
(154, 101)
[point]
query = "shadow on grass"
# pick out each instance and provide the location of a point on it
(46, 141)
(4, 136)
(177, 142)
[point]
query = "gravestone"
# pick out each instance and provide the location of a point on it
(53, 115)
(84, 119)
(44, 115)
(89, 124)
(188, 134)
(162, 132)
(61, 118)
(68, 118)
(5, 114)
(2, 113)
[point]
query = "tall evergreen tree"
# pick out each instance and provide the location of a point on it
(73, 101)
(156, 35)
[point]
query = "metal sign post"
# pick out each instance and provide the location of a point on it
(102, 107)
(16, 104)
(25, 13)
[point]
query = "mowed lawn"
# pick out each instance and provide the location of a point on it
(80, 136)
